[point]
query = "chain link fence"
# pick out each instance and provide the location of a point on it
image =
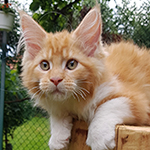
(32, 134)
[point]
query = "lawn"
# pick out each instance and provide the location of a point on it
(33, 135)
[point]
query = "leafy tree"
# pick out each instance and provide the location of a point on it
(55, 15)
(141, 35)
(133, 22)
(110, 29)
(126, 18)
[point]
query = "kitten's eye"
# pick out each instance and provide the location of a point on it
(44, 65)
(71, 64)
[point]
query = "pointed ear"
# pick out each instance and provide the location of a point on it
(33, 35)
(88, 33)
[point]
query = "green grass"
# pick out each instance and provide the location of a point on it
(33, 135)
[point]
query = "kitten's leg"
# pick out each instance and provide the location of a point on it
(60, 132)
(101, 134)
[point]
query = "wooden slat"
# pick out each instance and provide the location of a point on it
(127, 137)
(132, 138)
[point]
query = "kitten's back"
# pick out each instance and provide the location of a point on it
(131, 64)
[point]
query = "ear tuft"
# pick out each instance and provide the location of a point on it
(88, 33)
(33, 35)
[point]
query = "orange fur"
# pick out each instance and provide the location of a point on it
(126, 62)
(131, 65)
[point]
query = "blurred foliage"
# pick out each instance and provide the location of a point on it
(55, 15)
(16, 107)
(125, 18)
(141, 34)
(134, 22)
(6, 8)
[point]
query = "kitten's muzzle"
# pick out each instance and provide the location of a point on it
(56, 80)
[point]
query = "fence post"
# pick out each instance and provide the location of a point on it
(3, 65)
(79, 136)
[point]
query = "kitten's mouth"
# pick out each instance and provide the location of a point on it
(57, 92)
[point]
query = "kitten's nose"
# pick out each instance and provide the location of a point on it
(56, 80)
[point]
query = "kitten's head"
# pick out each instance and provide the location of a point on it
(63, 66)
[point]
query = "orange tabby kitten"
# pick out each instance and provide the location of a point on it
(72, 74)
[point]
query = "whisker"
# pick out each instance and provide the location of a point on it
(38, 98)
(84, 89)
(35, 94)
(73, 95)
(74, 92)
(77, 90)
(41, 94)
(35, 87)
(85, 82)
(80, 93)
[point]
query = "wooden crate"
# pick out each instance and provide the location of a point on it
(127, 137)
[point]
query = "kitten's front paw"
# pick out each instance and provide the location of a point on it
(56, 144)
(101, 141)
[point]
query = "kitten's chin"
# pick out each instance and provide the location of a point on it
(58, 96)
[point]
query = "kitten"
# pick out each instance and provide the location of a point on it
(72, 74)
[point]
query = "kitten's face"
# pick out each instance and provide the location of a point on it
(60, 70)
(63, 65)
